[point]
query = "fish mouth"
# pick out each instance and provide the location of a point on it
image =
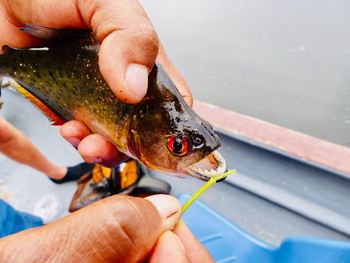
(212, 165)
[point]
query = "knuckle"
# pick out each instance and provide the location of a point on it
(122, 217)
(146, 42)
(131, 216)
(149, 36)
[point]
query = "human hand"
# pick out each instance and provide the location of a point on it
(129, 48)
(115, 229)
(180, 246)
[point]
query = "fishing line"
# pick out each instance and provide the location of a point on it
(213, 180)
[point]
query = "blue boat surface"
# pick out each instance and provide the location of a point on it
(228, 243)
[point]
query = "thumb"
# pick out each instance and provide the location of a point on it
(129, 45)
(116, 229)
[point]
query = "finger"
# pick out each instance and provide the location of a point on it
(96, 149)
(169, 249)
(15, 13)
(93, 148)
(74, 132)
(129, 46)
(116, 229)
(129, 43)
(195, 251)
(10, 36)
(162, 202)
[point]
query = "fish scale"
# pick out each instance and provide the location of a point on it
(64, 81)
(60, 87)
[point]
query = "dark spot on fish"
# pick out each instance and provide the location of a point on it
(52, 76)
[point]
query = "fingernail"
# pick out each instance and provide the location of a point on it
(168, 208)
(74, 141)
(136, 81)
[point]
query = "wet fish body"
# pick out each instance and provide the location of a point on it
(162, 131)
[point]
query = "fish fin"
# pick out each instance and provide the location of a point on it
(50, 33)
(48, 111)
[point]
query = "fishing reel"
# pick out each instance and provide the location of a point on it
(129, 178)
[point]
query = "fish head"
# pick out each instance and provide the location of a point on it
(168, 136)
(181, 144)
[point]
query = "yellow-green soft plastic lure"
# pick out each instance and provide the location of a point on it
(213, 180)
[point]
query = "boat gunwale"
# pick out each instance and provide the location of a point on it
(308, 149)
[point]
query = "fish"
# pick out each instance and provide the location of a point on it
(63, 80)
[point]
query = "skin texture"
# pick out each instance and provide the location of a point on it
(194, 250)
(180, 245)
(128, 41)
(13, 144)
(129, 48)
(116, 229)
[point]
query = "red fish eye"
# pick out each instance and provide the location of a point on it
(178, 145)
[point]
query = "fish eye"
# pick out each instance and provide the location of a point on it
(178, 145)
(197, 141)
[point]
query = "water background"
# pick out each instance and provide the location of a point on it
(286, 62)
